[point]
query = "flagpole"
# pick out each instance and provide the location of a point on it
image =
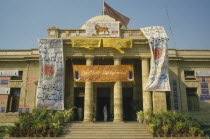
(103, 7)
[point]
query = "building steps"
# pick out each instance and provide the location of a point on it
(127, 130)
(8, 118)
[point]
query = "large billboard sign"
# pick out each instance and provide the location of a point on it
(102, 29)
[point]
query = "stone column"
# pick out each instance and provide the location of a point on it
(118, 100)
(159, 101)
(71, 84)
(88, 104)
(147, 95)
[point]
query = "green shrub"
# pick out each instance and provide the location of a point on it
(171, 122)
(140, 116)
(40, 123)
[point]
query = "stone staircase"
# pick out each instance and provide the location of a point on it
(106, 130)
(8, 118)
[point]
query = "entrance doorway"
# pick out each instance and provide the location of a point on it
(79, 102)
(128, 112)
(103, 98)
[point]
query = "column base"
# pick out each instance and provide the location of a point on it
(88, 121)
(118, 121)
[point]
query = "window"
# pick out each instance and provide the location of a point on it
(13, 101)
(192, 99)
(19, 77)
(189, 75)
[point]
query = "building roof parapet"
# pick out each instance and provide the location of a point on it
(189, 54)
(54, 32)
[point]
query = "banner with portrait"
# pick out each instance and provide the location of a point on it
(103, 73)
(50, 89)
(158, 41)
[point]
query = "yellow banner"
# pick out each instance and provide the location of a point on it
(86, 43)
(118, 44)
(103, 73)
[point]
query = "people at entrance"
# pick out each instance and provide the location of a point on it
(79, 112)
(105, 113)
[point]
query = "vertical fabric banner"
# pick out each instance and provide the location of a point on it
(50, 89)
(158, 41)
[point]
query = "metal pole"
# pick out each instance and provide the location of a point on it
(103, 7)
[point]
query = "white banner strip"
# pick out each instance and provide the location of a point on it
(202, 73)
(4, 90)
(158, 78)
(50, 89)
(8, 72)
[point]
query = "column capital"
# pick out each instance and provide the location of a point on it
(144, 58)
(89, 56)
(117, 57)
(89, 60)
(117, 60)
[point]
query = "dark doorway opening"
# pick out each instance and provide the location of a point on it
(128, 111)
(79, 102)
(103, 98)
(13, 100)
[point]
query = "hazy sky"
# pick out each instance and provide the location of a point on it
(22, 22)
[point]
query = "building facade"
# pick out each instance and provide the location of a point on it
(189, 93)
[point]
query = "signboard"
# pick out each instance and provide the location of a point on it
(8, 72)
(102, 29)
(202, 73)
(4, 90)
(4, 80)
(50, 89)
(86, 43)
(103, 73)
(118, 44)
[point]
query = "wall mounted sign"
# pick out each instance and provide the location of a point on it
(202, 73)
(175, 94)
(204, 87)
(8, 72)
(4, 80)
(103, 73)
(4, 90)
(102, 29)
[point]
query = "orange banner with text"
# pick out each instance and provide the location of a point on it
(103, 73)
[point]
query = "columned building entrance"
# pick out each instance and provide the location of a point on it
(123, 99)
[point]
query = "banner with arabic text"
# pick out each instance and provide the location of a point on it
(158, 41)
(103, 73)
(50, 89)
(86, 43)
(118, 44)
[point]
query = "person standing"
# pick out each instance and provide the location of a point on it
(79, 112)
(105, 113)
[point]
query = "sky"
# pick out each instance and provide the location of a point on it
(22, 22)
